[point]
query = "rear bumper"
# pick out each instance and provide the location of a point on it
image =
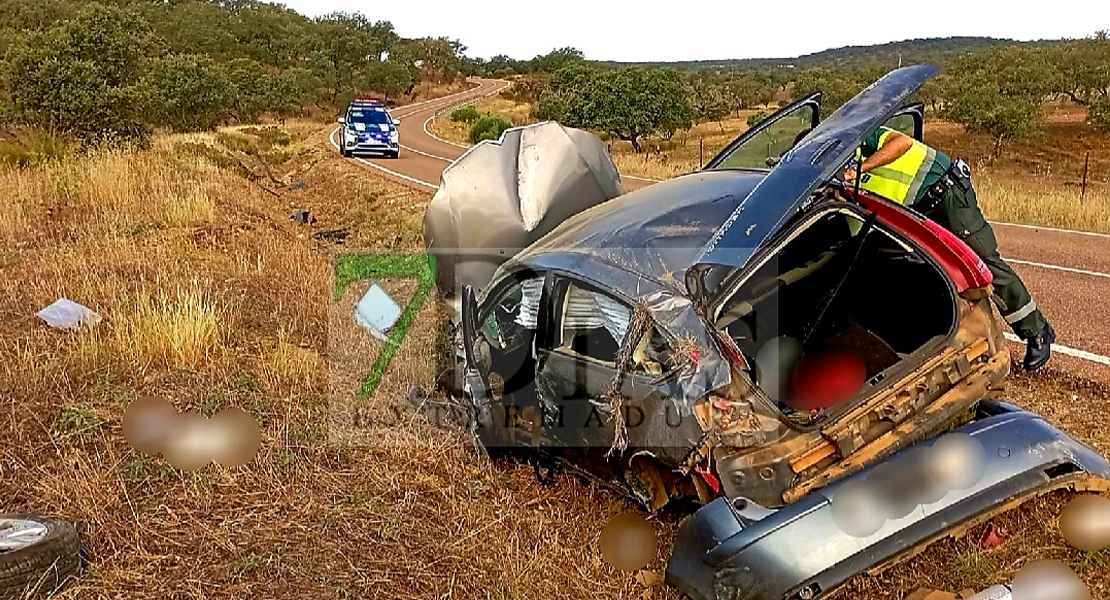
(799, 552)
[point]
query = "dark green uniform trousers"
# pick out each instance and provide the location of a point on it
(958, 211)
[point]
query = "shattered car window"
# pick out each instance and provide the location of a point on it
(514, 314)
(593, 324)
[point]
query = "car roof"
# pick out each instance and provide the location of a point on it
(655, 232)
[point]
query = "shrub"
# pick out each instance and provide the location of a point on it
(32, 148)
(82, 76)
(756, 119)
(488, 128)
(191, 93)
(466, 114)
(1098, 114)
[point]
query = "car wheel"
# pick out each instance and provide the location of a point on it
(37, 554)
(394, 154)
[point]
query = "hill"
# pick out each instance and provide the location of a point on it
(880, 55)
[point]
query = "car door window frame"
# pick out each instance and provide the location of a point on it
(813, 100)
(559, 300)
(556, 286)
(916, 111)
(493, 298)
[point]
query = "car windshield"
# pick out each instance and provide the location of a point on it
(368, 117)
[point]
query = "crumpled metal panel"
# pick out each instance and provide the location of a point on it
(707, 369)
(502, 195)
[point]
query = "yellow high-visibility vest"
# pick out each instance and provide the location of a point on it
(902, 178)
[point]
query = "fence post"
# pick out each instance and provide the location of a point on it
(1086, 167)
(701, 148)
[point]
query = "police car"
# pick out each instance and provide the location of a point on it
(368, 127)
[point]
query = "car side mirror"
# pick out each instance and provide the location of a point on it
(396, 121)
(341, 120)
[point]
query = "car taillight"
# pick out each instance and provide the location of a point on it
(958, 260)
(729, 349)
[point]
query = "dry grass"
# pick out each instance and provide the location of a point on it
(230, 307)
(213, 298)
(956, 564)
(1043, 201)
(181, 329)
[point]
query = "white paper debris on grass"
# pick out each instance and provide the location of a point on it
(377, 312)
(67, 314)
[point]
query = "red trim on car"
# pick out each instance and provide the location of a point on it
(966, 269)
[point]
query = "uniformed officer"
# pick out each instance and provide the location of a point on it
(904, 170)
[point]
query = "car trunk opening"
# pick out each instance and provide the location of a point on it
(839, 303)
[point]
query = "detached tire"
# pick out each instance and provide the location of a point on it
(37, 554)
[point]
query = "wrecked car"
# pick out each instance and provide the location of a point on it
(756, 340)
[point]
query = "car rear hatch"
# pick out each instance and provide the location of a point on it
(789, 187)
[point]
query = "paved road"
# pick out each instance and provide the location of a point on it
(1067, 271)
(423, 157)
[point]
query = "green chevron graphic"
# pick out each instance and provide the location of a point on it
(355, 267)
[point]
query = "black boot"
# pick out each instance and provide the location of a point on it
(1038, 348)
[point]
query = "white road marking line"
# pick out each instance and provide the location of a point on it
(423, 102)
(443, 158)
(1057, 267)
(640, 178)
(1091, 356)
(437, 138)
(1057, 230)
(331, 138)
(431, 118)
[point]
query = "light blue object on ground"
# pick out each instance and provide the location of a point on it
(67, 314)
(377, 312)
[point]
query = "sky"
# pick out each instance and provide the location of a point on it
(711, 29)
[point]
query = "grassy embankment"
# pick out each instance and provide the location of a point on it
(213, 297)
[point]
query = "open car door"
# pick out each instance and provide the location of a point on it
(761, 146)
(792, 183)
(910, 120)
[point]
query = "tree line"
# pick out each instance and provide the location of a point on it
(999, 90)
(112, 70)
